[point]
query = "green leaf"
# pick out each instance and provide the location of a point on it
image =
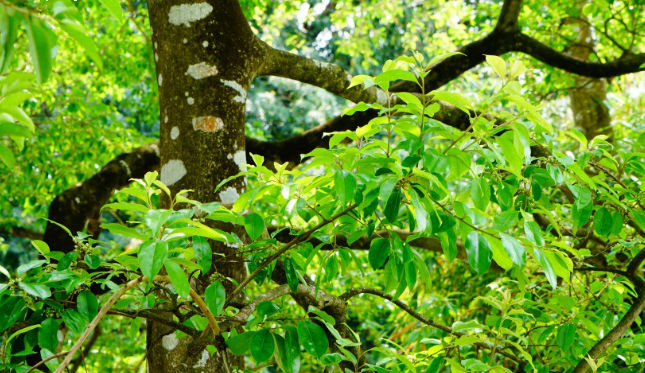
(8, 34)
(533, 232)
(36, 290)
(254, 225)
(41, 246)
(546, 265)
(152, 254)
(48, 334)
(262, 345)
(203, 253)
(313, 338)
(12, 129)
(121, 230)
(266, 309)
(498, 65)
(566, 335)
(512, 157)
(379, 252)
(41, 41)
(178, 278)
(291, 274)
(345, 186)
(7, 156)
(420, 213)
(480, 192)
(21, 331)
(514, 249)
(74, 321)
(29, 266)
(87, 305)
(602, 222)
(92, 261)
(292, 350)
(76, 31)
(215, 297)
(479, 252)
(114, 7)
(392, 205)
(12, 309)
(239, 344)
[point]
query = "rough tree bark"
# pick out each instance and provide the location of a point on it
(206, 57)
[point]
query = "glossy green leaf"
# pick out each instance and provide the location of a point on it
(602, 221)
(546, 266)
(254, 225)
(36, 290)
(48, 334)
(291, 274)
(313, 338)
(392, 205)
(262, 345)
(114, 7)
(87, 305)
(480, 193)
(498, 65)
(514, 249)
(379, 252)
(566, 335)
(240, 343)
(152, 255)
(479, 252)
(203, 253)
(7, 156)
(41, 42)
(178, 278)
(215, 297)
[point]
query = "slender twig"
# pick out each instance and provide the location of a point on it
(200, 303)
(285, 248)
(43, 361)
(88, 330)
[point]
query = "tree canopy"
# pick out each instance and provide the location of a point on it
(309, 186)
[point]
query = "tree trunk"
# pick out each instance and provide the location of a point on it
(588, 94)
(206, 57)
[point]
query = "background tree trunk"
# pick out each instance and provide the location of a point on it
(588, 94)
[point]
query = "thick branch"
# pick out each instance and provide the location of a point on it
(327, 76)
(78, 205)
(629, 63)
(22, 232)
(617, 332)
(508, 16)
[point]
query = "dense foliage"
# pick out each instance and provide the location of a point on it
(404, 245)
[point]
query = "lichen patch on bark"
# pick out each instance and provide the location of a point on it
(201, 363)
(241, 97)
(201, 70)
(172, 172)
(228, 196)
(208, 124)
(174, 132)
(169, 341)
(184, 14)
(239, 158)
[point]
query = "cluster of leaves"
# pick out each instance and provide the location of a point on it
(372, 211)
